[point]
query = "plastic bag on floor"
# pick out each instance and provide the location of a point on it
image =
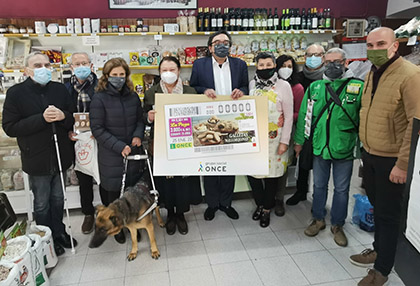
(363, 213)
(12, 278)
(38, 267)
(50, 258)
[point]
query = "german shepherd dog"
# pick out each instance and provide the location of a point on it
(124, 212)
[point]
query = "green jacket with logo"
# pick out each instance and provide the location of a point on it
(335, 135)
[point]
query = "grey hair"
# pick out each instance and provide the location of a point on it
(33, 54)
(317, 46)
(80, 53)
(265, 55)
(337, 51)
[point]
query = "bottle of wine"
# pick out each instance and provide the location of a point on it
(283, 20)
(226, 19)
(276, 21)
(245, 20)
(292, 19)
(321, 19)
(298, 20)
(304, 20)
(270, 21)
(251, 26)
(199, 19)
(213, 20)
(264, 19)
(219, 19)
(207, 19)
(287, 20)
(257, 20)
(328, 19)
(315, 20)
(238, 19)
(232, 18)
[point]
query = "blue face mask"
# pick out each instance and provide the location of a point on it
(82, 72)
(313, 62)
(42, 75)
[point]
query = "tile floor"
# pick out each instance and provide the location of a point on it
(223, 252)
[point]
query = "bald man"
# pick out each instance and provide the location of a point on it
(390, 101)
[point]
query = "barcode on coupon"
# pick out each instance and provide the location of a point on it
(184, 111)
(213, 148)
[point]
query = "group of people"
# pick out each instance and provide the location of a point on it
(323, 108)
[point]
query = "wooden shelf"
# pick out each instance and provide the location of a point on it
(405, 40)
(175, 34)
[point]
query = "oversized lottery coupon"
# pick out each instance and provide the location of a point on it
(211, 129)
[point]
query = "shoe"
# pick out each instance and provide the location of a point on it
(265, 219)
(170, 225)
(64, 240)
(374, 278)
(339, 235)
(230, 212)
(88, 224)
(120, 237)
(365, 259)
(257, 213)
(279, 208)
(182, 224)
(296, 198)
(209, 213)
(59, 250)
(314, 228)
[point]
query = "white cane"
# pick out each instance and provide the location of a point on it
(63, 185)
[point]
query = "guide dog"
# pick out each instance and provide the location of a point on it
(124, 212)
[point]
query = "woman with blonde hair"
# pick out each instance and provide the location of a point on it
(116, 118)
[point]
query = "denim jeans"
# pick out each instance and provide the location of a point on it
(48, 202)
(342, 170)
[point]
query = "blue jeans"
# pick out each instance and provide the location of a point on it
(48, 202)
(342, 170)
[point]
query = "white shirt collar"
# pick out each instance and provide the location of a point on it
(216, 63)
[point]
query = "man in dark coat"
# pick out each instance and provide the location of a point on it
(31, 110)
(81, 88)
(220, 75)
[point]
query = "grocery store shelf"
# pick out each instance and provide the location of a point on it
(176, 33)
(404, 40)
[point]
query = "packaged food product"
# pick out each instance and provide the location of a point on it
(190, 55)
(6, 180)
(272, 45)
(295, 43)
(303, 43)
(202, 52)
(4, 272)
(240, 52)
(137, 79)
(287, 44)
(181, 56)
(18, 180)
(255, 46)
(263, 45)
(134, 58)
(155, 52)
(280, 43)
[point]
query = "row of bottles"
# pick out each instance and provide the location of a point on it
(247, 19)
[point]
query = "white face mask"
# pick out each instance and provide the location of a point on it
(169, 77)
(285, 73)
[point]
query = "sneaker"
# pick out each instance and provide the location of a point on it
(374, 278)
(88, 224)
(315, 226)
(279, 208)
(339, 235)
(365, 259)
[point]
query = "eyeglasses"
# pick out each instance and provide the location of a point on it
(314, 54)
(39, 65)
(226, 43)
(336, 62)
(85, 64)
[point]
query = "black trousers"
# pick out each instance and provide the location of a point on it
(86, 193)
(108, 197)
(386, 198)
(219, 190)
(264, 191)
(302, 185)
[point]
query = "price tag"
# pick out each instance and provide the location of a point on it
(53, 35)
(189, 33)
(120, 34)
(158, 37)
(93, 34)
(334, 31)
(272, 32)
(143, 34)
(90, 40)
(288, 32)
(235, 33)
(306, 31)
(74, 35)
(40, 35)
(322, 31)
(172, 34)
(16, 71)
(249, 32)
(262, 32)
(1, 35)
(25, 35)
(206, 33)
(412, 40)
(315, 31)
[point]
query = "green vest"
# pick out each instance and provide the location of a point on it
(335, 135)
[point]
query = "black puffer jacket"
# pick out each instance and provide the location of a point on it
(23, 118)
(116, 118)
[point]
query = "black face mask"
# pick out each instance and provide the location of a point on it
(221, 50)
(266, 73)
(334, 70)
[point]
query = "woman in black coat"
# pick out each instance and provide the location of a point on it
(116, 118)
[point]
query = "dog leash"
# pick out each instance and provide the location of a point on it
(153, 192)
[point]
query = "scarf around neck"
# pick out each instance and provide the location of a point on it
(265, 84)
(313, 74)
(178, 89)
(83, 98)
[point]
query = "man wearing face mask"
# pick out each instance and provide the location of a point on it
(220, 74)
(30, 109)
(330, 111)
(312, 70)
(389, 103)
(81, 88)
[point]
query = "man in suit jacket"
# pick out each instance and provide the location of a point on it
(220, 74)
